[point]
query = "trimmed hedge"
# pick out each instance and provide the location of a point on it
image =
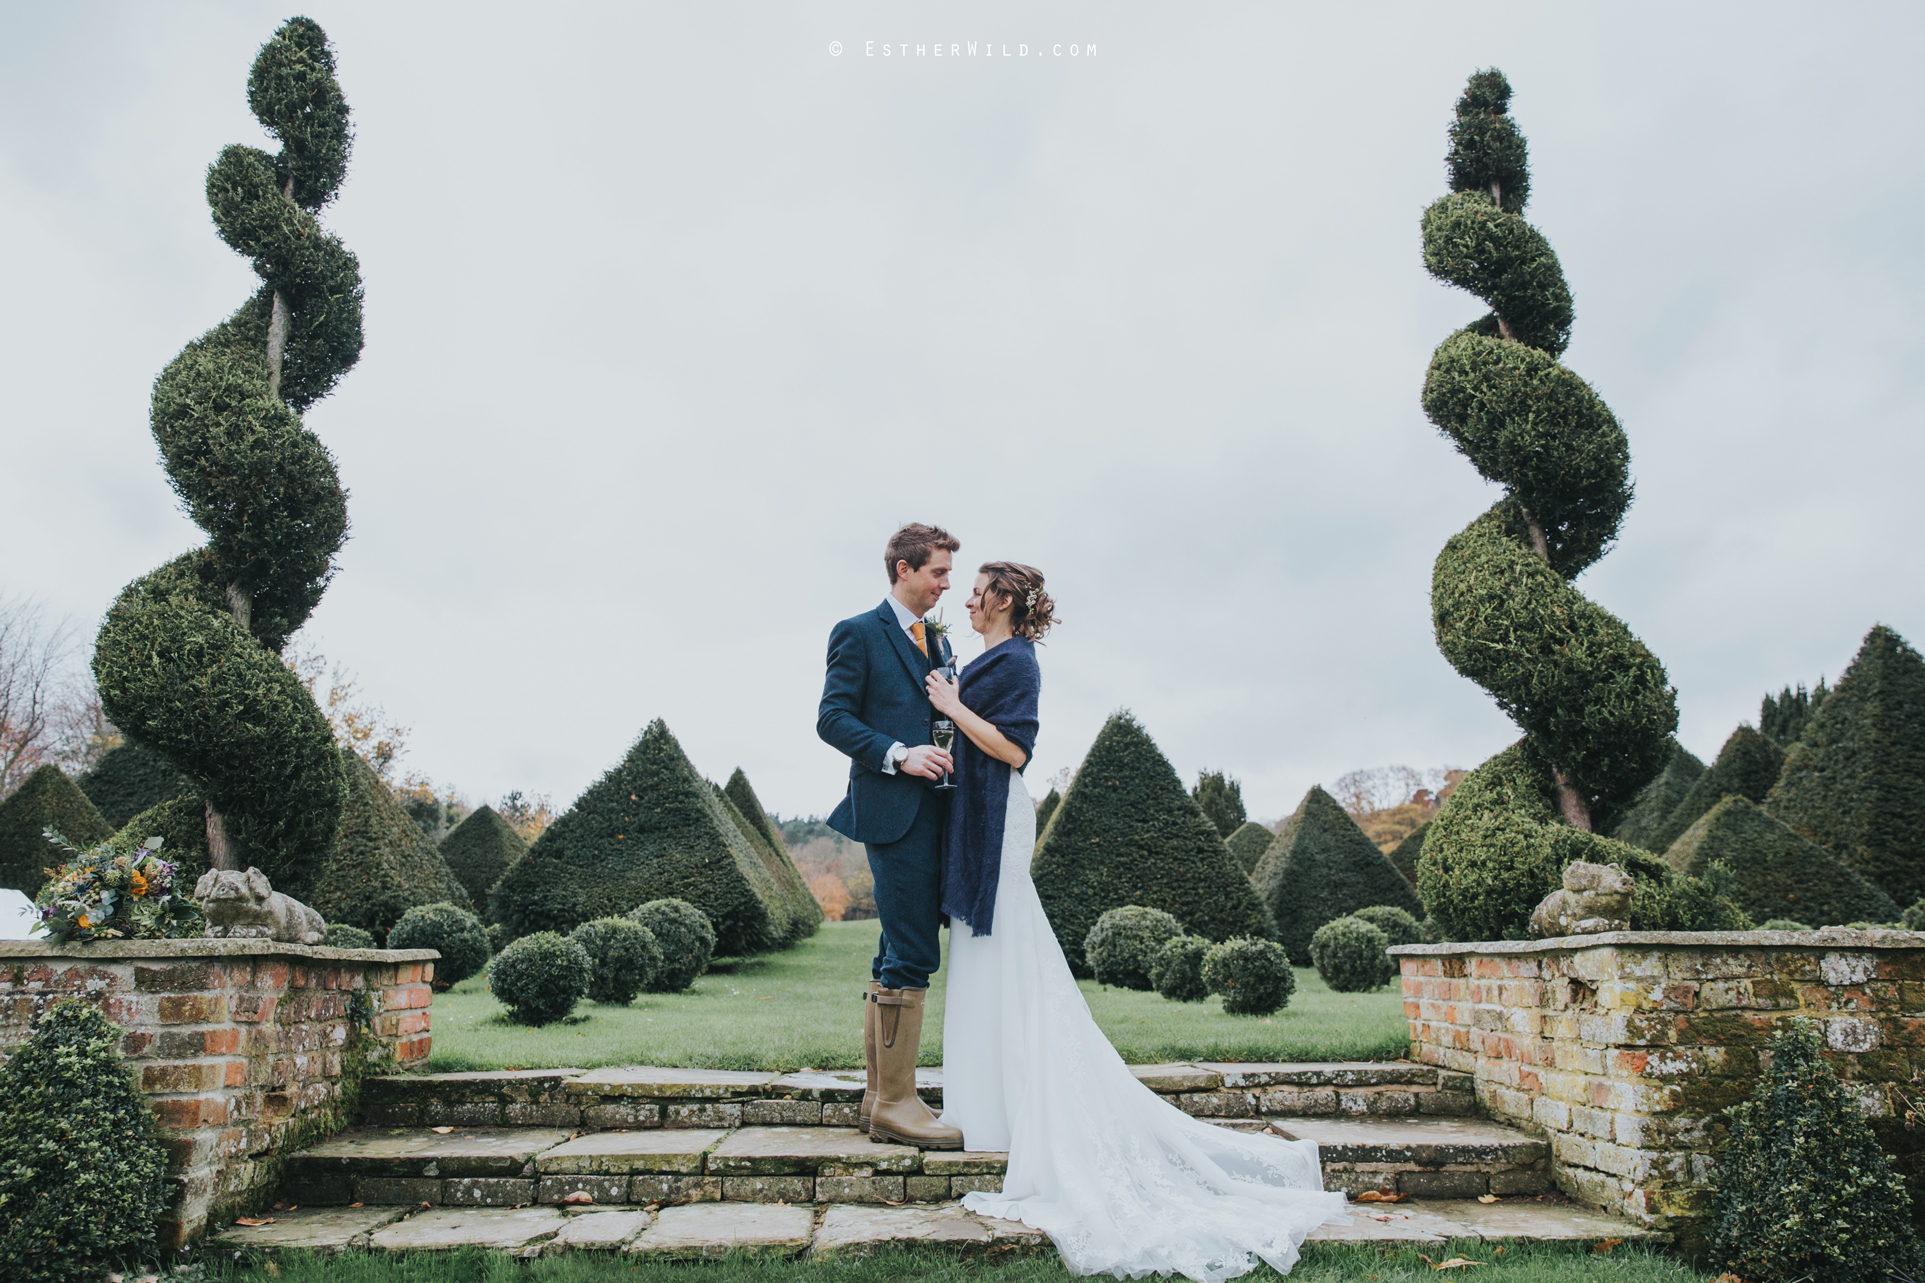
(45, 798)
(381, 864)
(456, 932)
(1123, 945)
(1657, 800)
(1248, 844)
(1854, 783)
(1397, 924)
(1747, 766)
(649, 829)
(1128, 833)
(623, 955)
(1783, 720)
(1326, 869)
(482, 848)
(540, 977)
(130, 779)
(1803, 1190)
(805, 914)
(685, 937)
(1045, 809)
(83, 1174)
(1774, 872)
(1177, 972)
(1222, 800)
(342, 936)
(1404, 856)
(1254, 976)
(1349, 955)
(1785, 924)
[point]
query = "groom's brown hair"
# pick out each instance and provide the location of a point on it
(914, 543)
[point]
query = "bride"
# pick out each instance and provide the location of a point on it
(1123, 1182)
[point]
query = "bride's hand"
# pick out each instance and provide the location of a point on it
(943, 697)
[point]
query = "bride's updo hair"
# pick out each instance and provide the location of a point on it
(1031, 609)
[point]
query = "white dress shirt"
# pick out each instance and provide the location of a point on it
(907, 619)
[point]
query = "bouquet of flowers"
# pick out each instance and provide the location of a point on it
(102, 894)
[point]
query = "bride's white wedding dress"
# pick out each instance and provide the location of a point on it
(1123, 1182)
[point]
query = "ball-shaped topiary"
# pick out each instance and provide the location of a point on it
(686, 940)
(82, 1173)
(457, 933)
(1914, 917)
(1177, 971)
(1254, 976)
(624, 956)
(1349, 954)
(1792, 924)
(1122, 946)
(342, 936)
(1398, 924)
(540, 977)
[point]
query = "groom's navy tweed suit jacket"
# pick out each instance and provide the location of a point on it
(873, 697)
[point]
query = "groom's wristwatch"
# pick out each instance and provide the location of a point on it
(898, 754)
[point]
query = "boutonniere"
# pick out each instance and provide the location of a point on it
(935, 629)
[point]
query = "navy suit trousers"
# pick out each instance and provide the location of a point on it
(908, 876)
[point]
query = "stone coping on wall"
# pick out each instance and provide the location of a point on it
(1838, 939)
(204, 947)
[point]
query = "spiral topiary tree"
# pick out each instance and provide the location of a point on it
(188, 660)
(1592, 700)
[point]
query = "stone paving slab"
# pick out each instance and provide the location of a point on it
(815, 1084)
(596, 1232)
(964, 1162)
(443, 1229)
(1177, 1077)
(713, 1229)
(648, 1080)
(313, 1229)
(1342, 1073)
(857, 1231)
(612, 1153)
(1426, 1141)
(771, 1151)
(499, 1084)
(1432, 1221)
(464, 1151)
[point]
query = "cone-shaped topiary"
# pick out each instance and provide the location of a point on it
(45, 799)
(1222, 800)
(342, 936)
(1398, 926)
(1747, 766)
(1177, 973)
(1123, 945)
(130, 779)
(83, 1175)
(540, 977)
(781, 920)
(1592, 700)
(1657, 800)
(687, 941)
(1803, 1190)
(1045, 809)
(1254, 976)
(1774, 872)
(805, 915)
(381, 864)
(1349, 955)
(1404, 856)
(1854, 783)
(1324, 869)
(623, 956)
(1248, 844)
(482, 848)
(1128, 833)
(457, 933)
(1783, 720)
(651, 828)
(188, 660)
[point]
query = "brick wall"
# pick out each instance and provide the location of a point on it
(245, 1047)
(1624, 1049)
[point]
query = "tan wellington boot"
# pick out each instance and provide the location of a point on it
(869, 1053)
(899, 1116)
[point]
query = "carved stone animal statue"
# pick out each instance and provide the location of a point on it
(246, 906)
(1596, 897)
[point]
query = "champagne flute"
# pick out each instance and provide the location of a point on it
(942, 731)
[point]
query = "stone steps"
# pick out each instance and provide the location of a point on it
(772, 1229)
(1431, 1158)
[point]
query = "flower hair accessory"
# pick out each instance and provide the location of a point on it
(1029, 602)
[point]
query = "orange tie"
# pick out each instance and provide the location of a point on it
(915, 630)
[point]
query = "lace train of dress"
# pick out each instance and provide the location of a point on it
(1123, 1182)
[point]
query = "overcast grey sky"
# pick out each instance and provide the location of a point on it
(673, 314)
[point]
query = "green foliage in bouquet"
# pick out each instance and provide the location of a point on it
(1349, 955)
(683, 934)
(1254, 976)
(104, 894)
(46, 799)
(1177, 973)
(1123, 945)
(540, 977)
(457, 933)
(1129, 833)
(83, 1175)
(129, 779)
(623, 955)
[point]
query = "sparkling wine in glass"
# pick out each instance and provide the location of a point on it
(942, 731)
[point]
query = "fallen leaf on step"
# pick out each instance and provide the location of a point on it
(1487, 1198)
(1454, 1263)
(1604, 1245)
(354, 1205)
(441, 1131)
(252, 1220)
(1379, 1196)
(580, 1196)
(1727, 1278)
(273, 1270)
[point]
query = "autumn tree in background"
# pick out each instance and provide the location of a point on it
(50, 713)
(1390, 803)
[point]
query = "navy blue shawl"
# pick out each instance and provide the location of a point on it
(1001, 687)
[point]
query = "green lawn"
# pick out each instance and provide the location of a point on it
(1346, 1263)
(800, 1008)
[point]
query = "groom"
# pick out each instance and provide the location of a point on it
(875, 710)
